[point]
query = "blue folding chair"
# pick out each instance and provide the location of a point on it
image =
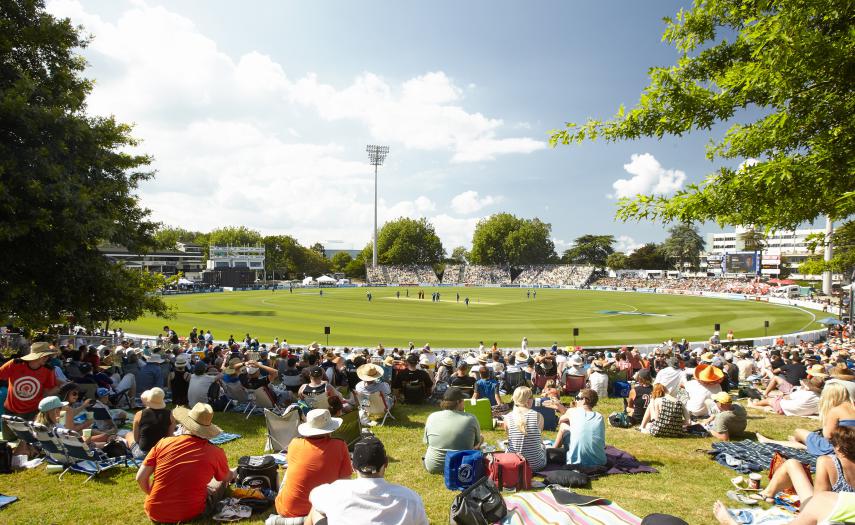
(53, 449)
(90, 461)
(22, 430)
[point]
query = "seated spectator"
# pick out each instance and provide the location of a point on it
(185, 476)
(317, 392)
(369, 498)
(835, 409)
(824, 508)
(842, 375)
(487, 387)
(639, 396)
(251, 379)
(151, 424)
(598, 380)
(50, 416)
(371, 376)
(729, 420)
(582, 432)
(803, 401)
(179, 380)
(413, 384)
(102, 417)
(151, 374)
(462, 380)
(313, 459)
(200, 382)
(707, 382)
(75, 412)
(786, 377)
(666, 416)
(449, 429)
(289, 374)
(672, 376)
(525, 427)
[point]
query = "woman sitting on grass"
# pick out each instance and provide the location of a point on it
(665, 416)
(824, 508)
(835, 410)
(524, 427)
(50, 417)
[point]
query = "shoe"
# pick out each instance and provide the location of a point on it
(739, 498)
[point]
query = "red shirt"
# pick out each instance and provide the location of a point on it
(311, 462)
(183, 467)
(26, 386)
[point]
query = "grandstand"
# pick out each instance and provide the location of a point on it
(479, 275)
(692, 284)
(402, 274)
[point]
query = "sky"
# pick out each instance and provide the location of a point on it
(257, 113)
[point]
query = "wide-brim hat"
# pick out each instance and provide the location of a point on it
(448, 361)
(154, 398)
(389, 361)
(39, 350)
(708, 374)
(232, 367)
(154, 358)
(814, 383)
(198, 420)
(522, 355)
(708, 357)
(369, 372)
(576, 360)
(319, 422)
(817, 371)
(843, 373)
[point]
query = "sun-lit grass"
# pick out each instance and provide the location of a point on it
(687, 484)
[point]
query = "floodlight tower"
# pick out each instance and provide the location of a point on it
(376, 156)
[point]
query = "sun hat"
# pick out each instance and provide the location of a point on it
(576, 360)
(596, 366)
(522, 355)
(38, 350)
(454, 394)
(707, 357)
(708, 374)
(389, 361)
(181, 362)
(448, 361)
(233, 366)
(369, 455)
(153, 398)
(50, 403)
(843, 373)
(319, 422)
(817, 371)
(155, 359)
(369, 372)
(722, 397)
(197, 420)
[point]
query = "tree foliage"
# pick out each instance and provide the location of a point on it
(459, 255)
(684, 245)
(166, 237)
(340, 261)
(795, 62)
(67, 182)
(617, 261)
(651, 256)
(406, 241)
(505, 239)
(286, 258)
(843, 256)
(753, 239)
(234, 236)
(590, 249)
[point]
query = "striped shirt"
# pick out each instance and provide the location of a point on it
(530, 444)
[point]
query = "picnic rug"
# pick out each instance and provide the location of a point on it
(751, 456)
(617, 462)
(224, 437)
(541, 508)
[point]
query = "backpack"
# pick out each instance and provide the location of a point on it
(568, 478)
(258, 472)
(621, 388)
(479, 504)
(509, 470)
(5, 457)
(619, 420)
(216, 398)
(463, 468)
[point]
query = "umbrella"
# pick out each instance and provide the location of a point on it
(830, 321)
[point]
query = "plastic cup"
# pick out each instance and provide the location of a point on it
(53, 469)
(754, 481)
(87, 433)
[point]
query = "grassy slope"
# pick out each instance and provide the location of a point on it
(687, 483)
(503, 315)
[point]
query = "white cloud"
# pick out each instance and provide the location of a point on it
(232, 136)
(626, 244)
(648, 177)
(469, 202)
(454, 231)
(746, 163)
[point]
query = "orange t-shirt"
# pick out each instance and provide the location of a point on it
(183, 467)
(311, 462)
(26, 386)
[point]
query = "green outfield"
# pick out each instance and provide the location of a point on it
(503, 315)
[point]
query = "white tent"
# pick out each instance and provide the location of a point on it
(307, 280)
(184, 281)
(325, 279)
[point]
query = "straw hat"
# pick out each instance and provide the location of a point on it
(708, 374)
(155, 359)
(576, 360)
(369, 372)
(38, 350)
(233, 366)
(448, 361)
(522, 355)
(843, 373)
(707, 357)
(389, 361)
(153, 398)
(198, 420)
(817, 371)
(814, 383)
(181, 362)
(319, 422)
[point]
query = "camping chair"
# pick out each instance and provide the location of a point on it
(51, 445)
(573, 384)
(88, 390)
(23, 431)
(292, 383)
(317, 400)
(281, 429)
(237, 396)
(259, 399)
(482, 412)
(88, 460)
(350, 429)
(514, 380)
(373, 406)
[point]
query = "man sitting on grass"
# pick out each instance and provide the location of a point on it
(413, 384)
(449, 429)
(729, 421)
(369, 498)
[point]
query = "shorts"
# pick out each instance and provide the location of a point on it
(818, 445)
(784, 387)
(776, 405)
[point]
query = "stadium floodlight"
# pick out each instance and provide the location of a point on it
(376, 156)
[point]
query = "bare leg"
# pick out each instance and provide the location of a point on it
(773, 384)
(801, 435)
(563, 430)
(763, 439)
(722, 514)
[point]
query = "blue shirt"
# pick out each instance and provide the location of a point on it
(486, 389)
(587, 439)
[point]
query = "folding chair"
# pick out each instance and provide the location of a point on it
(87, 390)
(259, 399)
(237, 396)
(292, 383)
(350, 430)
(281, 428)
(50, 444)
(373, 406)
(87, 460)
(480, 408)
(23, 431)
(573, 384)
(514, 380)
(317, 400)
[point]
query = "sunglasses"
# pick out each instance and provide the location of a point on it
(580, 398)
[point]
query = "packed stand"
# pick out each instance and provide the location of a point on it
(474, 275)
(555, 275)
(404, 274)
(694, 284)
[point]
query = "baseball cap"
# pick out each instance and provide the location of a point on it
(722, 397)
(315, 371)
(454, 394)
(413, 359)
(369, 455)
(101, 392)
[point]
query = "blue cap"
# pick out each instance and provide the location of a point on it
(101, 392)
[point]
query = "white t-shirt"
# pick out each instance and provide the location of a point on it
(368, 500)
(699, 393)
(599, 384)
(801, 403)
(197, 392)
(671, 379)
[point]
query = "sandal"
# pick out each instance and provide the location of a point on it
(760, 496)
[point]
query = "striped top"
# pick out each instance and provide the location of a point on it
(530, 444)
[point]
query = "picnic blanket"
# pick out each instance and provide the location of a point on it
(6, 500)
(751, 456)
(617, 462)
(540, 508)
(757, 516)
(225, 437)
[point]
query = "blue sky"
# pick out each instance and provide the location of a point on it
(258, 113)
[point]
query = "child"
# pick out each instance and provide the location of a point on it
(551, 391)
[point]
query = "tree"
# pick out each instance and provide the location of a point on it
(504, 239)
(684, 245)
(406, 241)
(617, 261)
(590, 249)
(753, 239)
(459, 255)
(843, 258)
(340, 261)
(647, 257)
(67, 182)
(234, 236)
(167, 237)
(319, 248)
(283, 256)
(791, 60)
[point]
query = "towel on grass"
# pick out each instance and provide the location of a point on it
(5, 500)
(225, 437)
(540, 508)
(617, 462)
(751, 456)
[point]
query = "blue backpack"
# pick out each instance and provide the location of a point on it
(463, 468)
(622, 388)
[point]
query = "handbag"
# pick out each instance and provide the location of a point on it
(479, 504)
(778, 461)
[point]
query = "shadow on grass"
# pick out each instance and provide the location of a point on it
(253, 313)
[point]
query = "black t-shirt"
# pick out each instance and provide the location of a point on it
(639, 404)
(776, 363)
(794, 372)
(407, 381)
(467, 384)
(253, 383)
